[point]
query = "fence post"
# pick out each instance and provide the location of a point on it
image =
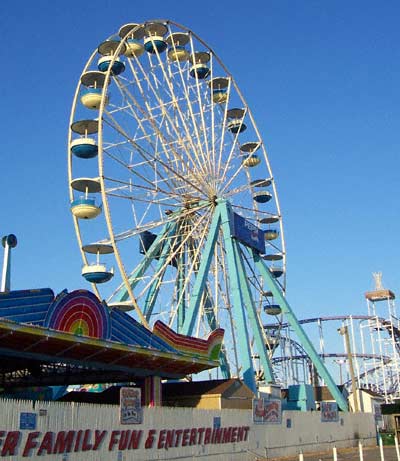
(334, 453)
(381, 448)
(396, 442)
(360, 450)
(301, 457)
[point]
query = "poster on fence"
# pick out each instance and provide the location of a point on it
(377, 412)
(130, 405)
(267, 411)
(329, 412)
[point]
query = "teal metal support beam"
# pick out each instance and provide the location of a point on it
(254, 319)
(304, 339)
(238, 309)
(181, 287)
(201, 278)
(154, 288)
(208, 309)
(210, 315)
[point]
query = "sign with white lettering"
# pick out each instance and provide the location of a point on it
(247, 233)
(27, 421)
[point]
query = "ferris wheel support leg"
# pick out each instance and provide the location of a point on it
(154, 249)
(236, 293)
(256, 327)
(181, 288)
(304, 339)
(200, 283)
(210, 315)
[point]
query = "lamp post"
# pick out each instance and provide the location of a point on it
(340, 362)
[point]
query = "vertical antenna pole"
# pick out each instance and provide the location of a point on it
(8, 242)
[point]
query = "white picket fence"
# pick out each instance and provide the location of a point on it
(86, 432)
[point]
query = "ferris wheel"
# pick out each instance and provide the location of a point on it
(173, 198)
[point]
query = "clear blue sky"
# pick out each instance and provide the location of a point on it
(322, 80)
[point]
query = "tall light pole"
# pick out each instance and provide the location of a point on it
(340, 362)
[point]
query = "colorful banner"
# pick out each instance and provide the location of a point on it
(267, 411)
(130, 405)
(329, 412)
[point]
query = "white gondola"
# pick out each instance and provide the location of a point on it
(92, 89)
(134, 34)
(85, 207)
(271, 234)
(176, 47)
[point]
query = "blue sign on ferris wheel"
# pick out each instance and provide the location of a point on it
(247, 233)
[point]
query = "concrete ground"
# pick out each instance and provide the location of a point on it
(348, 454)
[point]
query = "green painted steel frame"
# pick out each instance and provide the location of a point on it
(304, 339)
(155, 286)
(243, 303)
(237, 299)
(200, 283)
(254, 320)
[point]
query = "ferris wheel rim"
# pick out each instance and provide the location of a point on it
(112, 234)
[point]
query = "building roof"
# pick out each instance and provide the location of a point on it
(222, 387)
(371, 393)
(322, 393)
(74, 338)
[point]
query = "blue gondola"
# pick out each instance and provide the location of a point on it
(262, 196)
(272, 309)
(276, 271)
(84, 148)
(117, 66)
(97, 273)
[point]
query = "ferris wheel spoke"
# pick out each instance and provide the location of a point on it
(204, 130)
(223, 133)
(198, 150)
(194, 165)
(243, 188)
(192, 153)
(158, 160)
(176, 249)
(156, 191)
(152, 225)
(228, 162)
